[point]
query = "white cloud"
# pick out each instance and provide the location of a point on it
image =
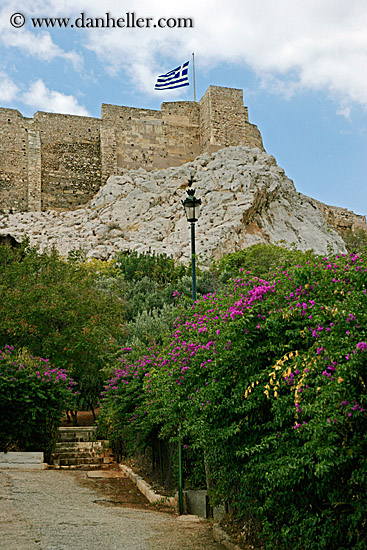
(322, 44)
(345, 112)
(8, 88)
(40, 97)
(292, 45)
(38, 44)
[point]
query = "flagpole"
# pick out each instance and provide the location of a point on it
(193, 75)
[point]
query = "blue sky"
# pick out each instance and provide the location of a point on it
(302, 66)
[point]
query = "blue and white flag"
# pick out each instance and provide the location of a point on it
(174, 79)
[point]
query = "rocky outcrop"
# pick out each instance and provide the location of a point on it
(246, 199)
(341, 219)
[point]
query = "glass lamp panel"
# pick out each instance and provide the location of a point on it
(197, 210)
(190, 211)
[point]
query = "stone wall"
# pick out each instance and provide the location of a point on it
(13, 162)
(54, 161)
(224, 120)
(133, 138)
(71, 159)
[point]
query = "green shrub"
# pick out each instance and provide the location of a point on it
(158, 267)
(260, 260)
(33, 396)
(355, 241)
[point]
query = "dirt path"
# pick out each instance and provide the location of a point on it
(65, 510)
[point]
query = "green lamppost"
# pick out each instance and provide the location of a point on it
(192, 210)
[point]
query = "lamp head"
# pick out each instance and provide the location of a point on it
(192, 206)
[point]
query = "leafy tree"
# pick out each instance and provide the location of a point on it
(54, 309)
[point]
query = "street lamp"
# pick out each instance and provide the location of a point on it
(192, 210)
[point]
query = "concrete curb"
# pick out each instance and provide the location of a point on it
(22, 461)
(221, 536)
(147, 490)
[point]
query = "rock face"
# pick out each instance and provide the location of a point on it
(342, 219)
(246, 199)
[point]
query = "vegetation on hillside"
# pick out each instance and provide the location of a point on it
(262, 381)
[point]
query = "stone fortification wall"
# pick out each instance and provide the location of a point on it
(54, 161)
(13, 161)
(133, 138)
(224, 120)
(49, 162)
(70, 159)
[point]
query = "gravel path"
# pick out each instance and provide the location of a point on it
(63, 510)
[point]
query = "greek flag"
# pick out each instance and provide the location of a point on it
(174, 79)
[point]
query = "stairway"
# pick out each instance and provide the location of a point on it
(76, 449)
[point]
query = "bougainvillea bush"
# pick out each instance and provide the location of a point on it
(268, 384)
(33, 396)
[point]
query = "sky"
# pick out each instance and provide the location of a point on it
(302, 65)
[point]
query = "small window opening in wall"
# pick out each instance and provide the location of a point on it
(132, 145)
(8, 119)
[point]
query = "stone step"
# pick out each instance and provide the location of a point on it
(82, 464)
(82, 467)
(76, 433)
(77, 446)
(77, 461)
(81, 455)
